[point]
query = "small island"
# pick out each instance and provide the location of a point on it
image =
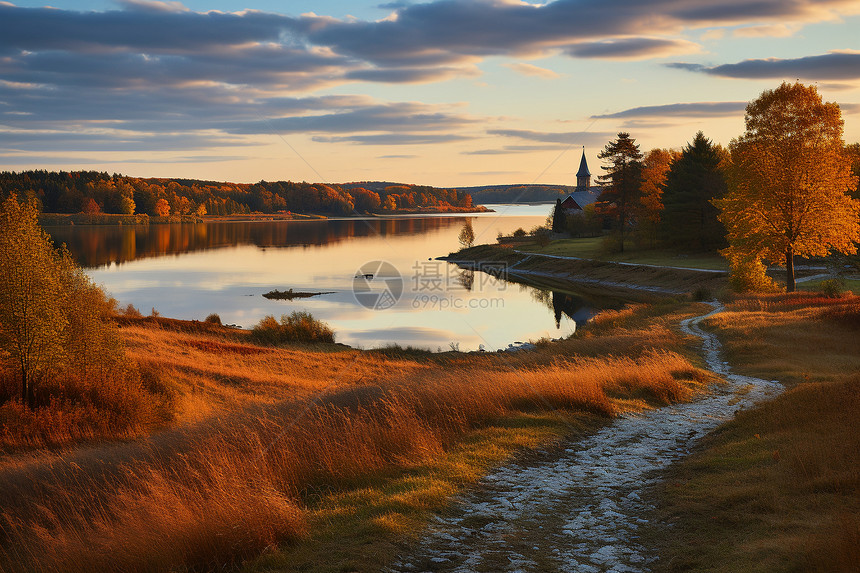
(291, 294)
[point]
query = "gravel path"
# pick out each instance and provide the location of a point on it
(579, 509)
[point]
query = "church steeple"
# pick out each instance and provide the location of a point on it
(583, 176)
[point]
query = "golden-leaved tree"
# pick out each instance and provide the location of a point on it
(789, 181)
(32, 323)
(54, 322)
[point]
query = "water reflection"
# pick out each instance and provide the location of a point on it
(189, 271)
(574, 307)
(97, 246)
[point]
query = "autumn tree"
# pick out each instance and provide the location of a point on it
(789, 181)
(162, 208)
(655, 165)
(32, 323)
(53, 320)
(690, 219)
(622, 183)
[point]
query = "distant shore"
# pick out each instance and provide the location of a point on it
(66, 219)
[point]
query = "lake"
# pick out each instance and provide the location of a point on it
(385, 284)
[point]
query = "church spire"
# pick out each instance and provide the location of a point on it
(583, 176)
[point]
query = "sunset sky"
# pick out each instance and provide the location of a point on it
(446, 93)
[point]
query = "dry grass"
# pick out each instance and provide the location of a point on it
(778, 488)
(263, 436)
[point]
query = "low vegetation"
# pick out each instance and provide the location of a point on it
(297, 327)
(320, 453)
(777, 488)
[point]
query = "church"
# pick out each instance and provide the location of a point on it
(584, 194)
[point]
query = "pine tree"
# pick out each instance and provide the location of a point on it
(689, 219)
(622, 184)
(558, 218)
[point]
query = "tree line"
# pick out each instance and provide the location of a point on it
(788, 186)
(98, 192)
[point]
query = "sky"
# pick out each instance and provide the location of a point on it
(450, 93)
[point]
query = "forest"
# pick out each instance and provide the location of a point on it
(96, 192)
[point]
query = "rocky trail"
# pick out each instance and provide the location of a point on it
(580, 508)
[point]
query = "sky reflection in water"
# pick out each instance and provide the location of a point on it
(191, 271)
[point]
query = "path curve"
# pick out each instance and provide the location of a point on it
(579, 509)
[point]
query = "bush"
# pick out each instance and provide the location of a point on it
(833, 288)
(543, 236)
(520, 232)
(299, 326)
(131, 312)
(702, 294)
(748, 273)
(213, 318)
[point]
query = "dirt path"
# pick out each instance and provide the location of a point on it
(579, 509)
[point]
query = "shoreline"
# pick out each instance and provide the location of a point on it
(112, 219)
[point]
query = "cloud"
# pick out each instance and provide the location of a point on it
(509, 149)
(445, 31)
(368, 117)
(532, 70)
(153, 67)
(700, 109)
(411, 75)
(633, 48)
(394, 139)
(839, 66)
(769, 31)
(569, 138)
(152, 6)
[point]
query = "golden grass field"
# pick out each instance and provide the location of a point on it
(326, 458)
(315, 458)
(777, 488)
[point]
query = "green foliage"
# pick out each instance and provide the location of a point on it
(834, 287)
(520, 232)
(299, 327)
(689, 219)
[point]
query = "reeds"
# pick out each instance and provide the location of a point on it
(227, 488)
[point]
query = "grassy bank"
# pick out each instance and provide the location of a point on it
(325, 458)
(597, 248)
(595, 272)
(777, 488)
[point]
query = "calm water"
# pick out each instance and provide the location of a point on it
(190, 271)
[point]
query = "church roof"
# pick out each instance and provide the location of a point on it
(570, 203)
(583, 167)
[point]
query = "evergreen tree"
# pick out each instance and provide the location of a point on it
(622, 184)
(559, 221)
(694, 179)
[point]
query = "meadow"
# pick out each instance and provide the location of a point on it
(778, 487)
(319, 458)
